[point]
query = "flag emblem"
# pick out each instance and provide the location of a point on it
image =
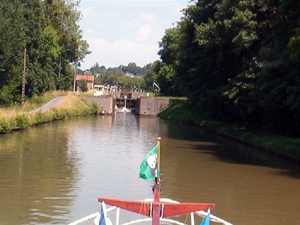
(149, 166)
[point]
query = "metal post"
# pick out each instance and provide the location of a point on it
(23, 80)
(74, 79)
(59, 66)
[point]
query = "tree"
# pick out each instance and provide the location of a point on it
(88, 72)
(166, 72)
(240, 61)
(49, 32)
(150, 76)
(12, 45)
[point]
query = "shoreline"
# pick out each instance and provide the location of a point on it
(284, 147)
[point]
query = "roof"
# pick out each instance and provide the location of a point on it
(85, 77)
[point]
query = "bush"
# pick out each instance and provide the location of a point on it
(94, 108)
(59, 114)
(5, 126)
(40, 118)
(22, 121)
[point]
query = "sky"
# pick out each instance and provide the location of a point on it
(120, 32)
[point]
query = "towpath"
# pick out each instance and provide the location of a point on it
(54, 102)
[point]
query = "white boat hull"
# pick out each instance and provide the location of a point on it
(95, 217)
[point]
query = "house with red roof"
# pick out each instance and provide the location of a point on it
(89, 80)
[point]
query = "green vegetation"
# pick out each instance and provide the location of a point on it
(181, 111)
(72, 106)
(131, 69)
(42, 40)
(237, 60)
(126, 77)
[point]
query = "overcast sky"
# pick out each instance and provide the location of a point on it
(123, 31)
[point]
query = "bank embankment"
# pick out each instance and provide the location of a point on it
(58, 108)
(285, 147)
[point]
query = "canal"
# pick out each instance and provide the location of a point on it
(54, 173)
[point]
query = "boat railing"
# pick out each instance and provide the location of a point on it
(116, 210)
(85, 219)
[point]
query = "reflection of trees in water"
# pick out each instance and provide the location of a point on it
(40, 170)
(38, 174)
(230, 151)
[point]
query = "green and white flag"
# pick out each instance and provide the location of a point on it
(149, 167)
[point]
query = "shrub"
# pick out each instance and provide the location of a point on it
(5, 126)
(59, 114)
(94, 108)
(22, 121)
(39, 118)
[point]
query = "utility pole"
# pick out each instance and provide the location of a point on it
(23, 80)
(74, 83)
(59, 66)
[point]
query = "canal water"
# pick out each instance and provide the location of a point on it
(54, 173)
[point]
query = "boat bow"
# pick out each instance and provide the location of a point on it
(167, 209)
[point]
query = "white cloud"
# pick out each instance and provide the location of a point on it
(119, 32)
(149, 17)
(87, 12)
(143, 33)
(90, 31)
(122, 51)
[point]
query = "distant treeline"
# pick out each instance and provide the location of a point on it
(130, 69)
(128, 77)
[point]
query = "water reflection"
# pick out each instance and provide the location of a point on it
(53, 174)
(230, 151)
(32, 184)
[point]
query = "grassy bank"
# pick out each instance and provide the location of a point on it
(286, 147)
(14, 117)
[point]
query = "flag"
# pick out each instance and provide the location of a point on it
(206, 219)
(149, 166)
(100, 220)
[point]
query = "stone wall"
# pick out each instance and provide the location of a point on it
(144, 105)
(151, 106)
(105, 103)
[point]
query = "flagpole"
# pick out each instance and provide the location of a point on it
(156, 190)
(158, 154)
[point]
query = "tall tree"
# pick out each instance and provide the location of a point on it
(49, 32)
(167, 78)
(240, 60)
(12, 45)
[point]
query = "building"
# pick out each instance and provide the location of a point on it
(89, 80)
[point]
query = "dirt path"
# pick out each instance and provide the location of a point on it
(54, 102)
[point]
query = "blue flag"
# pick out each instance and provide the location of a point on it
(149, 166)
(102, 219)
(205, 221)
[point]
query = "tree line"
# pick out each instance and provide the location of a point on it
(128, 77)
(238, 60)
(45, 35)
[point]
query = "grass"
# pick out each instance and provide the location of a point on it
(31, 104)
(13, 118)
(39, 101)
